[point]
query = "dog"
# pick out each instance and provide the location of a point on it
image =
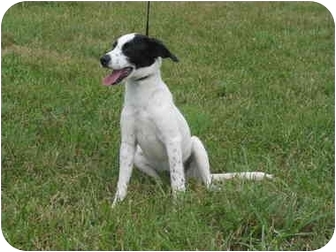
(154, 134)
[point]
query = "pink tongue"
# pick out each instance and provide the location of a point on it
(112, 78)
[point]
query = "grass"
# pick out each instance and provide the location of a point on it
(256, 83)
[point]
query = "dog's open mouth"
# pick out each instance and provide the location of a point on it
(117, 76)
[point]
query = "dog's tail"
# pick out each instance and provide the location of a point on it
(241, 175)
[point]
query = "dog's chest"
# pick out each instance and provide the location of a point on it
(145, 106)
(144, 123)
(148, 136)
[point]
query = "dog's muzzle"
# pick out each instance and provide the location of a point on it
(105, 60)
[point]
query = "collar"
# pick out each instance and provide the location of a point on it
(143, 78)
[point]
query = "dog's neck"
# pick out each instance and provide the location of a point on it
(146, 75)
(140, 87)
(138, 91)
(144, 83)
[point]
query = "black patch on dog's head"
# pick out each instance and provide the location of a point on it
(142, 51)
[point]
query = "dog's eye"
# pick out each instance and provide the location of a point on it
(126, 46)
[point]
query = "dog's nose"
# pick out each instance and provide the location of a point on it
(104, 61)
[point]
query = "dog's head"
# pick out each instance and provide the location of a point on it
(134, 56)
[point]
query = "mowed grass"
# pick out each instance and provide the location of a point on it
(255, 82)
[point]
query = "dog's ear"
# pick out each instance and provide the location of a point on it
(160, 50)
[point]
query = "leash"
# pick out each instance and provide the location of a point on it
(147, 21)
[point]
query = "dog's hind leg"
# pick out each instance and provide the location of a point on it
(199, 166)
(141, 162)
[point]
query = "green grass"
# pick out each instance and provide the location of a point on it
(255, 82)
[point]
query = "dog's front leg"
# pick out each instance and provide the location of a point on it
(125, 171)
(176, 166)
(126, 154)
(166, 120)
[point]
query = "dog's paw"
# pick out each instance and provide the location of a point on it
(119, 196)
(114, 203)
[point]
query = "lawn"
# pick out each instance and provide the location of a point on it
(255, 82)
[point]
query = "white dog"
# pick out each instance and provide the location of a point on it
(154, 134)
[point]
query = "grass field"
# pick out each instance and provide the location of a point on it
(255, 82)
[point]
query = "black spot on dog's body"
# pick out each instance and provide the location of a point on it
(142, 51)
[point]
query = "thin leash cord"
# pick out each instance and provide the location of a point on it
(147, 21)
